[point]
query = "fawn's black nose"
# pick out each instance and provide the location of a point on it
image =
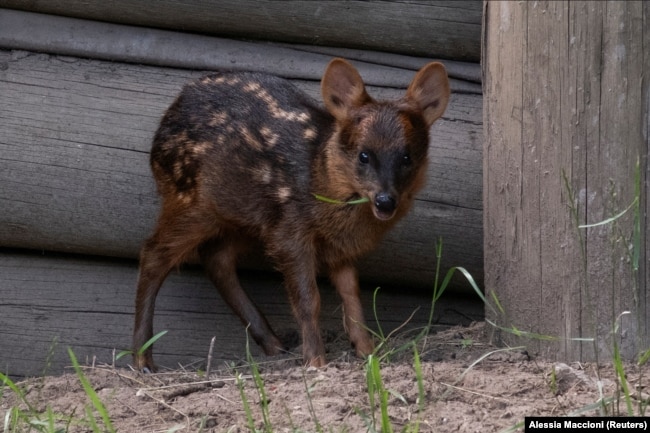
(384, 202)
(384, 206)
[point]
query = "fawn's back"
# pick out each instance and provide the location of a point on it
(241, 144)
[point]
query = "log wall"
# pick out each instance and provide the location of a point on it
(446, 29)
(54, 301)
(77, 132)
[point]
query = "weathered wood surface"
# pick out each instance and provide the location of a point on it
(566, 115)
(87, 304)
(74, 146)
(104, 41)
(446, 29)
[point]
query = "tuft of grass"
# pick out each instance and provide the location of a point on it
(310, 404)
(247, 408)
(259, 386)
(258, 380)
(417, 366)
(17, 420)
(419, 377)
(378, 397)
(375, 385)
(438, 289)
(94, 399)
(620, 370)
(142, 349)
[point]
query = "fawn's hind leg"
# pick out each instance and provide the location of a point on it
(299, 270)
(177, 234)
(154, 268)
(219, 257)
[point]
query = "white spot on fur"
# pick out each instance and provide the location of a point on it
(284, 193)
(218, 119)
(274, 106)
(249, 138)
(201, 148)
(309, 134)
(271, 138)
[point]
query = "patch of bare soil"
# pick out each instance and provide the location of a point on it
(462, 395)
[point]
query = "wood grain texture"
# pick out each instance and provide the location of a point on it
(445, 29)
(74, 150)
(565, 111)
(51, 302)
(105, 41)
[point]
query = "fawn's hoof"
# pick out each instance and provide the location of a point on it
(144, 364)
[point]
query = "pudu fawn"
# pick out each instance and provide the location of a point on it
(243, 158)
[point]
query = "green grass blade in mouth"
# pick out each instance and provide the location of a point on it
(333, 201)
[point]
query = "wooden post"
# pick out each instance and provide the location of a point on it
(566, 113)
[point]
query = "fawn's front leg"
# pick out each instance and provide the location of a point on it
(346, 281)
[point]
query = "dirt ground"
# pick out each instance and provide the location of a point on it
(493, 394)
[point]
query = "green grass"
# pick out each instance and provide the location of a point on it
(94, 399)
(30, 419)
(258, 380)
(144, 347)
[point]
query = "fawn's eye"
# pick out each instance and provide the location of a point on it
(364, 158)
(406, 159)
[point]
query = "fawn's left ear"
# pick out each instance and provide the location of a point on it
(430, 91)
(342, 88)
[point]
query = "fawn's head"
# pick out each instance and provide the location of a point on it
(379, 150)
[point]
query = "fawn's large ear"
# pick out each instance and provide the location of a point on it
(430, 91)
(342, 88)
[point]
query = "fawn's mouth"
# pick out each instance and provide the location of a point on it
(382, 215)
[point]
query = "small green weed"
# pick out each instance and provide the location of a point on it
(258, 380)
(375, 386)
(250, 421)
(142, 349)
(18, 420)
(94, 399)
(438, 289)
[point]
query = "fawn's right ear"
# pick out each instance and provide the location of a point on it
(342, 88)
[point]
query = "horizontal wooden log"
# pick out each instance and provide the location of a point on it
(446, 29)
(51, 302)
(465, 71)
(75, 175)
(91, 39)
